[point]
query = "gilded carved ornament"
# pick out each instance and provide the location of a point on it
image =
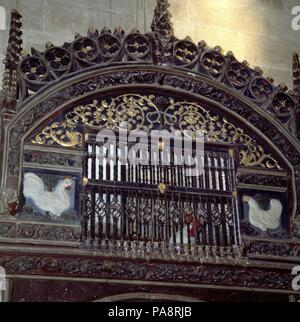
(141, 113)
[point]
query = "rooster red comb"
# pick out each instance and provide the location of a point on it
(68, 177)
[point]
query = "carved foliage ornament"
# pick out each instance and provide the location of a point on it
(51, 158)
(148, 271)
(142, 113)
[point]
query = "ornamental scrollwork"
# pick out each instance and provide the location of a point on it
(51, 158)
(69, 266)
(60, 134)
(141, 113)
(252, 248)
(8, 229)
(262, 180)
(193, 117)
(132, 109)
(48, 232)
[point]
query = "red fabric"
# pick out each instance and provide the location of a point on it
(195, 225)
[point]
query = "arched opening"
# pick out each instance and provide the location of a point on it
(147, 297)
(68, 134)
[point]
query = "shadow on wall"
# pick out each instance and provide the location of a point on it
(276, 4)
(2, 18)
(259, 31)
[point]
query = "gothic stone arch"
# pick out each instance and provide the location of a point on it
(95, 83)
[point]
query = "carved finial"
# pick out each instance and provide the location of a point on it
(202, 44)
(49, 45)
(258, 70)
(162, 23)
(283, 87)
(8, 97)
(218, 49)
(92, 31)
(296, 75)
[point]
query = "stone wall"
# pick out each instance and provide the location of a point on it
(256, 30)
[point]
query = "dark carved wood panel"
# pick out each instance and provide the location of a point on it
(78, 291)
(97, 267)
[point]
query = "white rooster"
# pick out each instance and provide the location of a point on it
(55, 202)
(264, 219)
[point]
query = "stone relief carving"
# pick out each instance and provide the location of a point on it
(148, 271)
(52, 158)
(48, 232)
(266, 248)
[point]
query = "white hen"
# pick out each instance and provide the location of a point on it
(55, 202)
(185, 237)
(188, 231)
(264, 219)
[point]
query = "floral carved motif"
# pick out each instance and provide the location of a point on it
(131, 270)
(141, 113)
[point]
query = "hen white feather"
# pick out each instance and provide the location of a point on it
(55, 202)
(185, 238)
(265, 219)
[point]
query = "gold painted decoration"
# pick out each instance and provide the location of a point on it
(141, 113)
(193, 117)
(60, 134)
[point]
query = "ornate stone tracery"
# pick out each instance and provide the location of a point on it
(160, 47)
